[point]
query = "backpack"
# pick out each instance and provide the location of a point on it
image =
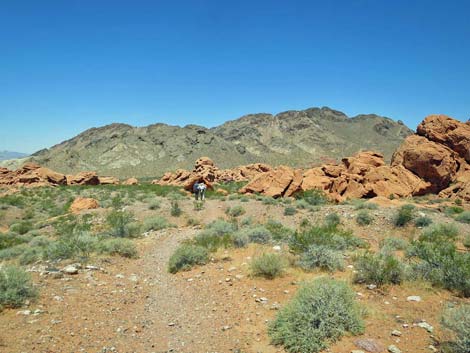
(195, 186)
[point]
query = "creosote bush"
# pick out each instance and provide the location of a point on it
(457, 320)
(321, 312)
(115, 246)
(404, 215)
(268, 265)
(118, 222)
(378, 269)
(15, 287)
(235, 211)
(155, 223)
(175, 209)
(423, 221)
(363, 218)
(290, 211)
(321, 257)
(187, 256)
(312, 197)
(333, 219)
(464, 217)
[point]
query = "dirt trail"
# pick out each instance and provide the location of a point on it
(186, 314)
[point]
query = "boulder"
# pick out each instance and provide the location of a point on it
(108, 180)
(275, 183)
(83, 203)
(447, 131)
(131, 181)
(83, 178)
(433, 162)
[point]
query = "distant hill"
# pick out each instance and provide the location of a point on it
(296, 138)
(5, 155)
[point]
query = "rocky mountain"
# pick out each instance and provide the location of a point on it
(295, 138)
(5, 155)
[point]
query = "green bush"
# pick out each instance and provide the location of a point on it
(332, 220)
(393, 244)
(440, 233)
(464, 217)
(212, 241)
(457, 320)
(313, 197)
(363, 218)
(423, 221)
(453, 210)
(115, 246)
(278, 230)
(404, 215)
(175, 210)
(321, 312)
(378, 269)
(268, 266)
(442, 265)
(235, 211)
(221, 227)
(258, 234)
(240, 239)
(362, 205)
(186, 256)
(267, 200)
(466, 241)
(155, 204)
(15, 287)
(155, 223)
(290, 211)
(331, 236)
(13, 251)
(8, 240)
(74, 246)
(321, 257)
(118, 222)
(198, 205)
(22, 227)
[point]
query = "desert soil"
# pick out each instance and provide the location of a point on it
(137, 306)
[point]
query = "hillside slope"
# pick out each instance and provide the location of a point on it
(297, 138)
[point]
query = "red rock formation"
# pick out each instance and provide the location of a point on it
(83, 203)
(108, 180)
(31, 174)
(83, 178)
(131, 181)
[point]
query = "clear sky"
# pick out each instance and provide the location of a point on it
(69, 65)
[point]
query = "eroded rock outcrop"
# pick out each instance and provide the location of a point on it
(31, 174)
(205, 170)
(83, 203)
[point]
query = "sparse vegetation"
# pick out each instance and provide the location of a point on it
(378, 269)
(363, 218)
(186, 256)
(15, 287)
(423, 221)
(457, 321)
(321, 257)
(333, 219)
(118, 222)
(121, 247)
(321, 312)
(155, 223)
(235, 211)
(268, 265)
(289, 211)
(312, 197)
(464, 217)
(404, 215)
(175, 209)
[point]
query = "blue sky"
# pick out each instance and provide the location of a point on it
(66, 66)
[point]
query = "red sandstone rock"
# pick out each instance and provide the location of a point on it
(131, 181)
(108, 180)
(83, 178)
(82, 203)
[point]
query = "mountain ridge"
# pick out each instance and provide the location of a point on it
(293, 137)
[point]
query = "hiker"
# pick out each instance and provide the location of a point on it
(202, 190)
(196, 190)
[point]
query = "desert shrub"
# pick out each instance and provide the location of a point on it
(212, 241)
(440, 232)
(193, 222)
(186, 256)
(457, 320)
(466, 241)
(363, 218)
(278, 230)
(13, 200)
(404, 215)
(235, 211)
(362, 205)
(258, 234)
(240, 239)
(321, 312)
(453, 210)
(22, 227)
(39, 241)
(15, 287)
(244, 199)
(118, 222)
(198, 205)
(440, 263)
(77, 245)
(221, 227)
(116, 246)
(333, 219)
(13, 251)
(393, 244)
(326, 235)
(302, 204)
(321, 257)
(464, 217)
(304, 223)
(155, 223)
(289, 211)
(155, 204)
(8, 240)
(423, 221)
(247, 221)
(30, 255)
(458, 202)
(175, 210)
(378, 269)
(268, 266)
(313, 197)
(266, 200)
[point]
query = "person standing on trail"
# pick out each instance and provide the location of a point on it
(196, 190)
(202, 190)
